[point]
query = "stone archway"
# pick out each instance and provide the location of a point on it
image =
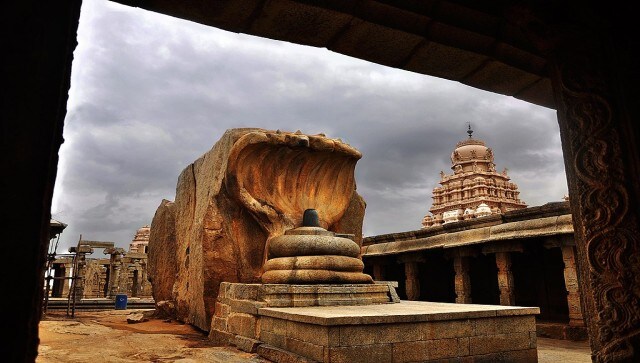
(578, 58)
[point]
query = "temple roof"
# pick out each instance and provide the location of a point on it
(474, 183)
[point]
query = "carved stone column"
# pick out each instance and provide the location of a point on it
(595, 81)
(78, 285)
(412, 282)
(462, 279)
(68, 273)
(114, 275)
(114, 279)
(505, 278)
(571, 283)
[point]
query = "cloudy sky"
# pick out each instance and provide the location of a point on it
(150, 94)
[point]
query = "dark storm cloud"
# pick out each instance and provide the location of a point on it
(150, 94)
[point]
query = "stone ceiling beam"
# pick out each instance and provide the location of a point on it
(436, 38)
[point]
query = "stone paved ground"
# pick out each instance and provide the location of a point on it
(556, 351)
(105, 336)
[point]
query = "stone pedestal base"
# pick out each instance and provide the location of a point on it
(408, 331)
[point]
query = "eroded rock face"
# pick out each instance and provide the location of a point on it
(162, 267)
(251, 187)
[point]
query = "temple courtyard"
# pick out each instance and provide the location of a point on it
(105, 336)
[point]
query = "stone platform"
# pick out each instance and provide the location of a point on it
(408, 331)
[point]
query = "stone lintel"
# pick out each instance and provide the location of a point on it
(411, 257)
(540, 227)
(462, 252)
(97, 244)
(503, 247)
(404, 312)
(81, 249)
(558, 241)
(550, 243)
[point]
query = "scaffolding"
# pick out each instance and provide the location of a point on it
(78, 255)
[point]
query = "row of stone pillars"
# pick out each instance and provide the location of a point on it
(461, 264)
(462, 281)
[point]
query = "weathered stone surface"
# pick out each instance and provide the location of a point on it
(404, 312)
(278, 355)
(162, 266)
(351, 221)
(483, 344)
(361, 353)
(314, 277)
(220, 337)
(329, 262)
(439, 238)
(290, 246)
(136, 318)
(246, 344)
(242, 324)
(239, 195)
(312, 255)
(165, 308)
(248, 298)
(406, 332)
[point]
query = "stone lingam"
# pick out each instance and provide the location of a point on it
(312, 255)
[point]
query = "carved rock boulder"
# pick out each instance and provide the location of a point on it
(162, 266)
(250, 188)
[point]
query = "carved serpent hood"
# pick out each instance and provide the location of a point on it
(250, 188)
(278, 175)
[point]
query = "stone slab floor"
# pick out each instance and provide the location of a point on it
(553, 350)
(105, 336)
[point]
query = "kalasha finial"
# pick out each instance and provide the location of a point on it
(469, 131)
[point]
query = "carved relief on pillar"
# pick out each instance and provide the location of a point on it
(505, 279)
(412, 283)
(571, 283)
(461, 265)
(601, 175)
(412, 274)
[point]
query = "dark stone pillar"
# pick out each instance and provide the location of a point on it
(462, 279)
(505, 279)
(39, 38)
(571, 283)
(595, 80)
(114, 278)
(412, 282)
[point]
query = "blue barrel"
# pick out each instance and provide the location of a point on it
(121, 301)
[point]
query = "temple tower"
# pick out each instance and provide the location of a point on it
(475, 189)
(140, 241)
